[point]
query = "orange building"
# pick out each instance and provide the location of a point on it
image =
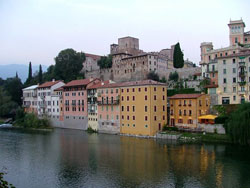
(185, 109)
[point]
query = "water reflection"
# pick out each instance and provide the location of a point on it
(69, 158)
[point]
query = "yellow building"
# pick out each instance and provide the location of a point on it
(143, 107)
(185, 109)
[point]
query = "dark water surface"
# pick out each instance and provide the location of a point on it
(71, 158)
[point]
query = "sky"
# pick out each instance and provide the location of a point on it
(37, 30)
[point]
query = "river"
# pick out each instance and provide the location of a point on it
(72, 158)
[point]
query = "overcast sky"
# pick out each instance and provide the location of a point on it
(36, 30)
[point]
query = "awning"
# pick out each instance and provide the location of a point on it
(207, 117)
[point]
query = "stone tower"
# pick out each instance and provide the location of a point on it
(236, 32)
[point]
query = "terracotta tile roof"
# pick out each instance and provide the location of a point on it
(245, 52)
(211, 86)
(49, 84)
(93, 56)
(197, 74)
(186, 96)
(133, 83)
(59, 89)
(82, 82)
(99, 84)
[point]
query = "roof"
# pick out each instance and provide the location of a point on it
(197, 74)
(49, 84)
(186, 96)
(99, 84)
(207, 117)
(30, 87)
(132, 83)
(59, 89)
(93, 56)
(242, 53)
(82, 82)
(211, 86)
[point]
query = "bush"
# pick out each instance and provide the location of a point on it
(4, 183)
(90, 130)
(30, 120)
(166, 128)
(221, 119)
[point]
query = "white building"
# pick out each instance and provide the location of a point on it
(30, 99)
(46, 96)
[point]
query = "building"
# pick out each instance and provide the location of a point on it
(56, 107)
(44, 97)
(109, 108)
(185, 109)
(90, 63)
(234, 78)
(30, 99)
(93, 103)
(75, 115)
(143, 107)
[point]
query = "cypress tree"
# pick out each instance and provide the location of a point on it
(16, 75)
(178, 56)
(40, 75)
(30, 72)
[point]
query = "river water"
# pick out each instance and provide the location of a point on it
(71, 158)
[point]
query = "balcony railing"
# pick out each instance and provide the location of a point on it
(242, 73)
(242, 64)
(105, 102)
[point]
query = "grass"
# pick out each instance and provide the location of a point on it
(2, 121)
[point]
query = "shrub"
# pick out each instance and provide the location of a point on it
(166, 128)
(221, 119)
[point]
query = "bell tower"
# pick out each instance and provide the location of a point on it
(236, 32)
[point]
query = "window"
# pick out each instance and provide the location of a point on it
(133, 125)
(163, 117)
(199, 102)
(146, 118)
(171, 112)
(163, 108)
(234, 70)
(127, 108)
(224, 71)
(155, 118)
(107, 117)
(122, 98)
(234, 80)
(133, 98)
(154, 88)
(154, 108)
(146, 89)
(190, 121)
(146, 98)
(179, 112)
(234, 98)
(128, 90)
(127, 98)
(146, 108)
(163, 97)
(122, 116)
(133, 117)
(122, 108)
(234, 89)
(128, 125)
(146, 126)
(184, 112)
(190, 112)
(233, 60)
(139, 89)
(155, 97)
(127, 117)
(133, 108)
(180, 121)
(224, 80)
(163, 89)
(122, 90)
(133, 89)
(224, 61)
(225, 89)
(236, 40)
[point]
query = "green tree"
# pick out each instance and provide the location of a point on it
(40, 75)
(178, 56)
(163, 80)
(13, 87)
(16, 75)
(153, 76)
(68, 65)
(7, 106)
(203, 84)
(174, 76)
(49, 75)
(105, 62)
(238, 126)
(28, 80)
(4, 183)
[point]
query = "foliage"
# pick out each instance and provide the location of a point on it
(90, 130)
(153, 76)
(30, 120)
(166, 128)
(163, 80)
(178, 56)
(203, 84)
(13, 87)
(40, 75)
(29, 79)
(49, 75)
(105, 62)
(179, 85)
(238, 126)
(68, 65)
(173, 76)
(4, 183)
(221, 110)
(7, 106)
(221, 119)
(172, 92)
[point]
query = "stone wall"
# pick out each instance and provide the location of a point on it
(209, 128)
(109, 127)
(71, 123)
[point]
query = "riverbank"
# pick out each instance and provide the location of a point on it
(200, 137)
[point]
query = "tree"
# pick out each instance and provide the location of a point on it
(40, 75)
(174, 76)
(203, 84)
(16, 75)
(238, 126)
(13, 87)
(7, 106)
(163, 80)
(105, 62)
(153, 76)
(178, 56)
(68, 64)
(49, 75)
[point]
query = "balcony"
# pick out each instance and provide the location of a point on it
(242, 73)
(242, 64)
(211, 71)
(26, 105)
(42, 105)
(242, 83)
(109, 102)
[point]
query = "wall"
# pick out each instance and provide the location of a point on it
(208, 128)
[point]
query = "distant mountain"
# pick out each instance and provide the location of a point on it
(7, 71)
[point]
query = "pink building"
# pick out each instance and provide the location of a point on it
(109, 108)
(75, 106)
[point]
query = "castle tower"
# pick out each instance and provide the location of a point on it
(205, 47)
(236, 32)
